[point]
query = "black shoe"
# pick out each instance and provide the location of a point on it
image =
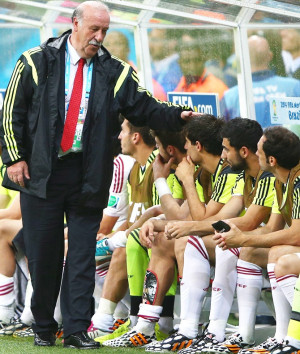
(80, 340)
(44, 339)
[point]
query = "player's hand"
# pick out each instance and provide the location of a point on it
(231, 239)
(177, 229)
(18, 172)
(187, 115)
(161, 168)
(100, 236)
(185, 170)
(147, 234)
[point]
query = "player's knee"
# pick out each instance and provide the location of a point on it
(248, 254)
(180, 245)
(275, 253)
(118, 257)
(285, 265)
(3, 231)
(163, 246)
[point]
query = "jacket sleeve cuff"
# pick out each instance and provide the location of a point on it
(10, 163)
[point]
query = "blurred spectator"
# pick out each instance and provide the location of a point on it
(265, 84)
(276, 64)
(221, 58)
(291, 51)
(165, 68)
(117, 44)
(192, 58)
(274, 39)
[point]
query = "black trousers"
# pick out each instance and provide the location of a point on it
(43, 226)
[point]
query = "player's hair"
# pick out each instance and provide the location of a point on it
(166, 138)
(282, 144)
(207, 130)
(242, 132)
(143, 131)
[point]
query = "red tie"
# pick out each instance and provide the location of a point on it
(73, 111)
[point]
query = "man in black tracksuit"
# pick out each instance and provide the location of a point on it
(76, 182)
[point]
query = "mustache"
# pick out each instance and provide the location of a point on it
(94, 42)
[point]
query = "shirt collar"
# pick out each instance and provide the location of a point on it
(262, 75)
(74, 57)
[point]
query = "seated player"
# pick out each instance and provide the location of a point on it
(117, 209)
(279, 153)
(114, 215)
(253, 190)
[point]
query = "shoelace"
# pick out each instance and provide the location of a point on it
(233, 339)
(119, 322)
(268, 343)
(202, 339)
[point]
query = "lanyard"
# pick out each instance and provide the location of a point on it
(67, 76)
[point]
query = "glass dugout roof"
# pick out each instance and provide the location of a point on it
(229, 23)
(152, 13)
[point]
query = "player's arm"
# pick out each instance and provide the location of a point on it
(118, 196)
(236, 238)
(122, 227)
(150, 228)
(107, 224)
(254, 216)
(222, 193)
(148, 214)
(185, 172)
(172, 208)
(232, 195)
(177, 229)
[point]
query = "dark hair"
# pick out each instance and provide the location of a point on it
(242, 132)
(207, 130)
(282, 144)
(166, 138)
(144, 132)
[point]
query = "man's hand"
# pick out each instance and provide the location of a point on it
(177, 229)
(185, 169)
(147, 234)
(231, 239)
(17, 172)
(187, 115)
(160, 168)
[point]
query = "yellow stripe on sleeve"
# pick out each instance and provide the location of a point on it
(27, 55)
(121, 78)
(7, 111)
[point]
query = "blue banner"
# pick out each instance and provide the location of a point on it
(200, 102)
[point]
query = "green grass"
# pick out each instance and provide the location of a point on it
(11, 345)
